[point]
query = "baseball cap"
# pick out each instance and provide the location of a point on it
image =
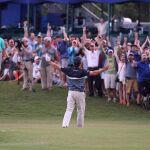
(129, 44)
(131, 54)
(47, 39)
(110, 50)
(39, 34)
(36, 58)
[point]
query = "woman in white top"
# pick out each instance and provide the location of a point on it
(121, 77)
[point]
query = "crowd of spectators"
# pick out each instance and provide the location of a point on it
(28, 59)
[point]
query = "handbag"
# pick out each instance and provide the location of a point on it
(117, 78)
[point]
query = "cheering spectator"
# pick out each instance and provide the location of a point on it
(36, 70)
(2, 47)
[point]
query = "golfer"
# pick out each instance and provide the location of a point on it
(76, 77)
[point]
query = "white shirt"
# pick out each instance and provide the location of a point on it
(6, 72)
(36, 71)
(102, 28)
(121, 71)
(92, 58)
(84, 62)
(16, 58)
(32, 44)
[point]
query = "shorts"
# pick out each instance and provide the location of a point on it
(64, 62)
(110, 81)
(131, 84)
(122, 80)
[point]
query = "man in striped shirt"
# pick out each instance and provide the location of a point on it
(76, 95)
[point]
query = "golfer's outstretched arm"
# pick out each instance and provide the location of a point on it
(99, 71)
(56, 66)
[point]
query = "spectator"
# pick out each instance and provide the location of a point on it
(110, 75)
(102, 27)
(131, 78)
(27, 65)
(36, 70)
(121, 77)
(2, 47)
(143, 74)
(62, 47)
(72, 51)
(5, 74)
(48, 53)
(39, 45)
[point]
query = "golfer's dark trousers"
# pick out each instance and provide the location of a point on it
(94, 81)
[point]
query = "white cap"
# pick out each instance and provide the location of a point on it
(36, 58)
(24, 39)
(110, 50)
(47, 39)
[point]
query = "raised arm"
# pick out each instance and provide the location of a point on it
(48, 33)
(116, 55)
(144, 44)
(84, 37)
(65, 34)
(25, 27)
(125, 41)
(136, 38)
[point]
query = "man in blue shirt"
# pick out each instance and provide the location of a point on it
(62, 47)
(76, 95)
(143, 74)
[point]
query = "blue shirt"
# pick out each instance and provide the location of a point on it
(71, 55)
(75, 78)
(62, 47)
(2, 44)
(143, 71)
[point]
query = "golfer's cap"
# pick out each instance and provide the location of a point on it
(36, 58)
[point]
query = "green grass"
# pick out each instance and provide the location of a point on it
(33, 121)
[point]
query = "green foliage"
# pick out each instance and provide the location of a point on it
(133, 11)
